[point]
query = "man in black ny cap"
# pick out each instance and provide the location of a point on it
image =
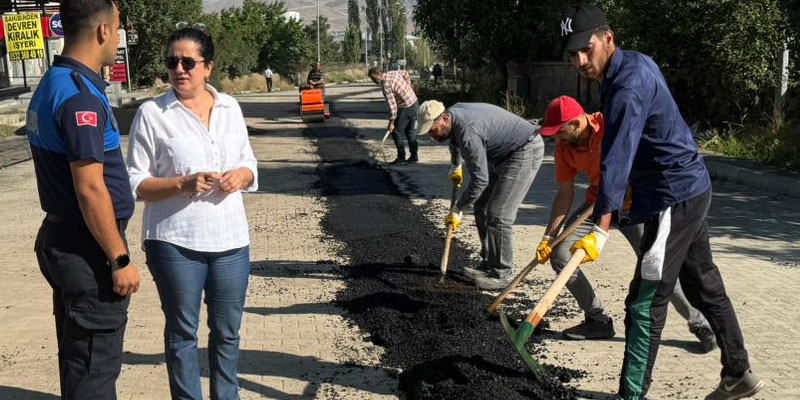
(648, 144)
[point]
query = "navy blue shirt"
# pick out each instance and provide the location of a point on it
(70, 119)
(647, 143)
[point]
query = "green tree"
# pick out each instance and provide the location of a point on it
(397, 13)
(353, 16)
(486, 34)
(154, 21)
(374, 25)
(250, 37)
(328, 48)
(351, 48)
(717, 55)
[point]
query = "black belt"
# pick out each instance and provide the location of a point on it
(55, 219)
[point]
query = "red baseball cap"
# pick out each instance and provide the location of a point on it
(559, 111)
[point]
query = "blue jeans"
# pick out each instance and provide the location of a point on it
(496, 208)
(181, 275)
(406, 125)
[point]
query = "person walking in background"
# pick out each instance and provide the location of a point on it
(268, 76)
(189, 161)
(437, 74)
(648, 145)
(578, 137)
(503, 153)
(403, 109)
(83, 188)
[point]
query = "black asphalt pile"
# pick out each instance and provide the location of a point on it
(435, 333)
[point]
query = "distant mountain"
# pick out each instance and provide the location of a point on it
(334, 10)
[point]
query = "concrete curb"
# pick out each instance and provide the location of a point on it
(752, 174)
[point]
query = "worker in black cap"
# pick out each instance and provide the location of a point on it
(648, 144)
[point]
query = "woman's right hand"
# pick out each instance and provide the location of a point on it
(200, 182)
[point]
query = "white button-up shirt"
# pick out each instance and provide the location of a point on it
(166, 140)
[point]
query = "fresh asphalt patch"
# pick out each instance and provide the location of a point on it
(437, 337)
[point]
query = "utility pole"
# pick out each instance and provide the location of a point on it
(318, 59)
(366, 39)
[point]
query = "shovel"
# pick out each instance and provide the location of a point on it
(525, 271)
(520, 336)
(380, 146)
(448, 239)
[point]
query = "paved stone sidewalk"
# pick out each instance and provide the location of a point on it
(295, 344)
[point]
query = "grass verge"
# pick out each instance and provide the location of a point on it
(773, 143)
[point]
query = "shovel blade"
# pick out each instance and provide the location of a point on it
(518, 338)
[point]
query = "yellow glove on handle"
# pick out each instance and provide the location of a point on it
(544, 251)
(456, 175)
(591, 243)
(453, 218)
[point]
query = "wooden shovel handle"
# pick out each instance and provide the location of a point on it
(572, 227)
(555, 288)
(380, 146)
(450, 233)
(528, 268)
(446, 255)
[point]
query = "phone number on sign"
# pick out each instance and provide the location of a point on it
(26, 55)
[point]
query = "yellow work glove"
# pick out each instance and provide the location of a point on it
(592, 243)
(456, 175)
(544, 251)
(453, 218)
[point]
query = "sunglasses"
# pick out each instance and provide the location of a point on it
(198, 25)
(187, 63)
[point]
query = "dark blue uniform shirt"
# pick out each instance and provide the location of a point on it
(70, 119)
(647, 143)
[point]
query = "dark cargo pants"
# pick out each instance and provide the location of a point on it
(90, 317)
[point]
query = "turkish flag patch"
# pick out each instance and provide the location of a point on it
(86, 118)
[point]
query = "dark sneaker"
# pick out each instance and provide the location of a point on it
(493, 281)
(412, 160)
(707, 339)
(398, 161)
(731, 388)
(473, 272)
(590, 329)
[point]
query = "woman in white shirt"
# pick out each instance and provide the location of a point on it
(189, 159)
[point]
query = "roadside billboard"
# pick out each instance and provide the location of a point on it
(24, 37)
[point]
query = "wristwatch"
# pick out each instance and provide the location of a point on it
(120, 262)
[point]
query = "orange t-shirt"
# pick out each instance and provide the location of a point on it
(571, 160)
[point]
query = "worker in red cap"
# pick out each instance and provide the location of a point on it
(577, 149)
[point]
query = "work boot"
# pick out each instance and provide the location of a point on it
(731, 388)
(591, 329)
(707, 339)
(493, 280)
(473, 272)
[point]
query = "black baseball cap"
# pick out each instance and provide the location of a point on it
(578, 25)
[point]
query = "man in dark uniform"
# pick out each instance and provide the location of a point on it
(83, 188)
(648, 145)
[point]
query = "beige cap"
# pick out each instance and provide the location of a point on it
(428, 111)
